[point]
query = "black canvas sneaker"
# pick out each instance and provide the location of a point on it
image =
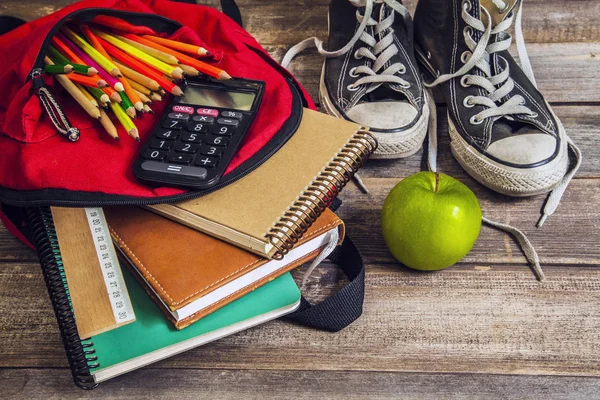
(502, 130)
(371, 76)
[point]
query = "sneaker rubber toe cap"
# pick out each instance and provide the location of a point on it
(383, 114)
(524, 149)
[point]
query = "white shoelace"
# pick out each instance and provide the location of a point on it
(499, 86)
(379, 52)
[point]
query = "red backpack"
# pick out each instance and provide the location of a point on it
(39, 167)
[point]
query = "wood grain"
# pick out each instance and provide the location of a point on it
(185, 384)
(468, 319)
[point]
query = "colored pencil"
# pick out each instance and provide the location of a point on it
(108, 125)
(102, 97)
(135, 99)
(90, 81)
(183, 47)
(59, 41)
(189, 71)
(122, 25)
(137, 77)
(145, 99)
(125, 121)
(128, 105)
(59, 69)
(159, 55)
(77, 95)
(57, 57)
(187, 60)
(140, 88)
(155, 96)
(92, 53)
(148, 109)
(88, 95)
(87, 60)
(113, 94)
(141, 67)
(89, 35)
(167, 69)
(84, 69)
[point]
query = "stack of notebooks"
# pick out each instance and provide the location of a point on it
(202, 269)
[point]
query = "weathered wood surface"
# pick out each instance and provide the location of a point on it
(482, 329)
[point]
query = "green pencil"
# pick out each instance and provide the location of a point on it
(84, 69)
(100, 96)
(57, 57)
(127, 105)
(59, 69)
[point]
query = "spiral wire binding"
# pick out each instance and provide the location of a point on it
(80, 352)
(320, 193)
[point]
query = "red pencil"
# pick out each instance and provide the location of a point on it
(141, 68)
(89, 35)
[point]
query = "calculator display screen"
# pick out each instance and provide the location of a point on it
(200, 96)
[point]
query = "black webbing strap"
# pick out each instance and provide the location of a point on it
(340, 310)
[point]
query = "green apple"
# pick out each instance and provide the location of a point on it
(430, 221)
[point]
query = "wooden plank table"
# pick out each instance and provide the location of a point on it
(482, 329)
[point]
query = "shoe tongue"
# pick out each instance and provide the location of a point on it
(384, 93)
(495, 13)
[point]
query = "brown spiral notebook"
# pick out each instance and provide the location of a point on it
(269, 210)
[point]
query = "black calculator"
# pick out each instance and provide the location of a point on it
(200, 132)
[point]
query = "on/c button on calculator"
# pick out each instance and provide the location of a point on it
(199, 133)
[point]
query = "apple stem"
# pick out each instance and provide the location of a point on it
(437, 181)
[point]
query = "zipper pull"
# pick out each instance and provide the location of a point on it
(53, 109)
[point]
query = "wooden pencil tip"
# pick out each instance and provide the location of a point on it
(102, 83)
(119, 87)
(92, 71)
(131, 112)
(116, 73)
(139, 106)
(224, 76)
(177, 91)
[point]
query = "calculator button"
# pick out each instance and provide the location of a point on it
(228, 121)
(203, 118)
(155, 155)
(232, 114)
(192, 137)
(211, 151)
(183, 109)
(223, 130)
(180, 158)
(217, 141)
(179, 116)
(161, 144)
(178, 170)
(186, 148)
(197, 127)
(207, 162)
(207, 111)
(170, 134)
(173, 124)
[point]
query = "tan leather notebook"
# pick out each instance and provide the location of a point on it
(193, 274)
(267, 211)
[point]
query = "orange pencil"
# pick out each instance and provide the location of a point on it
(89, 35)
(133, 96)
(185, 47)
(112, 93)
(141, 68)
(192, 62)
(91, 81)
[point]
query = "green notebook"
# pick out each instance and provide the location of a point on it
(152, 338)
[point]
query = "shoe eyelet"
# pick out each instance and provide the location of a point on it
(464, 57)
(467, 5)
(522, 102)
(405, 86)
(402, 70)
(463, 81)
(467, 102)
(468, 31)
(357, 56)
(352, 88)
(533, 115)
(505, 9)
(429, 55)
(352, 73)
(475, 121)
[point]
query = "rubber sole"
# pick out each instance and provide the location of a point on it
(391, 145)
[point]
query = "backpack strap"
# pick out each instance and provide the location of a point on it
(340, 310)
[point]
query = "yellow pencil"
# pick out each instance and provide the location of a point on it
(79, 97)
(155, 96)
(140, 88)
(108, 125)
(137, 77)
(191, 71)
(87, 94)
(105, 63)
(167, 69)
(125, 121)
(159, 55)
